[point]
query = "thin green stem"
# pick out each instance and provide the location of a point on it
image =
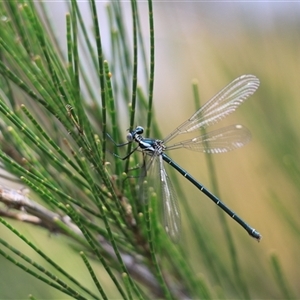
(213, 179)
(152, 66)
(100, 74)
(49, 260)
(93, 275)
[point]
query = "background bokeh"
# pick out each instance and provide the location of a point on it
(215, 43)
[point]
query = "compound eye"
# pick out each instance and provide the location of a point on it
(129, 137)
(139, 130)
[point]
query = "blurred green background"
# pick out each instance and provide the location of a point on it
(215, 43)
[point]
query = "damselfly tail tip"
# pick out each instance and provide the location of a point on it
(255, 234)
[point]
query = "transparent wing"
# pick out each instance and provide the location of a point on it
(171, 213)
(217, 141)
(148, 172)
(220, 106)
(153, 171)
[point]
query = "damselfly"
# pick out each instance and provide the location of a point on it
(217, 141)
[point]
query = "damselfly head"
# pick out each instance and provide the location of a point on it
(137, 131)
(129, 137)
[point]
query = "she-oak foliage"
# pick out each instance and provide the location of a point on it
(57, 107)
